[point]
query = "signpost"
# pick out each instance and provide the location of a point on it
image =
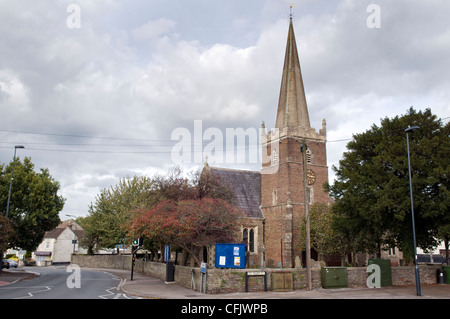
(134, 249)
(203, 267)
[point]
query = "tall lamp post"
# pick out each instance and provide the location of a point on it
(12, 173)
(9, 195)
(408, 130)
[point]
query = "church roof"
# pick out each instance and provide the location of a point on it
(292, 108)
(246, 186)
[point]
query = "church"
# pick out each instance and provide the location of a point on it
(273, 200)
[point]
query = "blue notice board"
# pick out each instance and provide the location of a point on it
(230, 256)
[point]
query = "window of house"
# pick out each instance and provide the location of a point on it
(391, 251)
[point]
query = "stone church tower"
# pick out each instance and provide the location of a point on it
(282, 186)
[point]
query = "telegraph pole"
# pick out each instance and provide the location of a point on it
(416, 263)
(303, 149)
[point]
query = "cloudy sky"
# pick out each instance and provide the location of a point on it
(94, 89)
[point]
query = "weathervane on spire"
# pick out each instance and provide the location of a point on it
(290, 11)
(206, 161)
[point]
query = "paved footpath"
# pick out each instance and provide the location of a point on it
(9, 276)
(150, 287)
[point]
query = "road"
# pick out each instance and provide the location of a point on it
(61, 282)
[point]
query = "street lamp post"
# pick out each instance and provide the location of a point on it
(408, 130)
(9, 196)
(12, 173)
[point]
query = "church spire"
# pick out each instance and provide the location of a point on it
(292, 108)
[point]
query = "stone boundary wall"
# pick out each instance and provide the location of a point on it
(401, 275)
(233, 280)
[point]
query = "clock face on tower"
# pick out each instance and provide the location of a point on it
(311, 176)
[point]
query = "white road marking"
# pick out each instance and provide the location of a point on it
(110, 293)
(31, 294)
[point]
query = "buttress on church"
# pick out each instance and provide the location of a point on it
(273, 200)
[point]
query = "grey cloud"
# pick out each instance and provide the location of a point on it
(137, 70)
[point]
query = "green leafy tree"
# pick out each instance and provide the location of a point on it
(322, 237)
(90, 239)
(371, 193)
(112, 210)
(35, 203)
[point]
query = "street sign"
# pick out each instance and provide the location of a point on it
(256, 273)
(203, 277)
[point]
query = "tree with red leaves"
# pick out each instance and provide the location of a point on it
(188, 223)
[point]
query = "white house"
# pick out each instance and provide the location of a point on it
(439, 250)
(59, 243)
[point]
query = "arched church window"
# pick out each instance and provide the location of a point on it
(248, 237)
(251, 241)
